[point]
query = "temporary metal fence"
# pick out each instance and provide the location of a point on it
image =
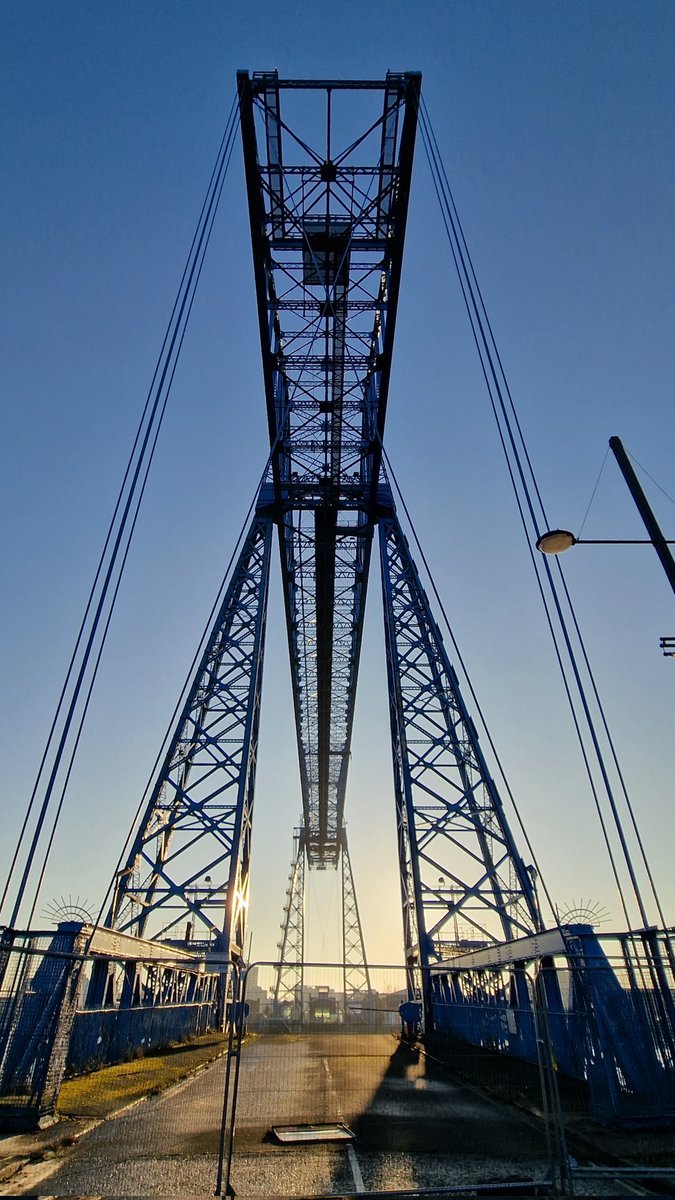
(459, 1077)
(610, 1020)
(39, 984)
(504, 1066)
(66, 1010)
(321, 1099)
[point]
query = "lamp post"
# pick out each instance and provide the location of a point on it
(556, 541)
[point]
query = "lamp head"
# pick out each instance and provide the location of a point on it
(555, 541)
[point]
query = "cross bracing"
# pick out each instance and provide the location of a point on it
(328, 210)
(289, 983)
(457, 855)
(289, 994)
(189, 860)
(328, 236)
(328, 217)
(355, 972)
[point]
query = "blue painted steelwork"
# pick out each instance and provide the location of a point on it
(328, 208)
(328, 202)
(141, 1006)
(355, 973)
(63, 1010)
(605, 1002)
(102, 1037)
(628, 1004)
(187, 872)
(457, 856)
(38, 998)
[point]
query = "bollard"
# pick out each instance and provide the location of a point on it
(411, 1019)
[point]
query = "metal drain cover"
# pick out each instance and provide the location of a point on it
(296, 1134)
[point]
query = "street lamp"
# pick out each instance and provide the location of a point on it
(556, 541)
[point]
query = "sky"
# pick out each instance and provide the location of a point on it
(556, 126)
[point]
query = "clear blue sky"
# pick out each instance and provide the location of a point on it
(557, 127)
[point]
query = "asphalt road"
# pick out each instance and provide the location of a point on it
(415, 1127)
(166, 1145)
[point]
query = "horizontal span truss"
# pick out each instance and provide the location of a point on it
(328, 189)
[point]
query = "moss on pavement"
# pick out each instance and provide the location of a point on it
(103, 1092)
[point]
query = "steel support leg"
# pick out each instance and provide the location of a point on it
(288, 990)
(463, 882)
(187, 873)
(356, 976)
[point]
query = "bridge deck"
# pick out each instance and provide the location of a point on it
(415, 1127)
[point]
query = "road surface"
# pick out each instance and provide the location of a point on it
(415, 1126)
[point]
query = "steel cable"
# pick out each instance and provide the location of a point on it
(140, 457)
(123, 562)
(523, 520)
(521, 469)
(109, 534)
(187, 682)
(389, 471)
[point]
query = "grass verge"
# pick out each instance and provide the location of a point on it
(103, 1092)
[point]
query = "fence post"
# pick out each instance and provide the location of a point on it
(553, 1115)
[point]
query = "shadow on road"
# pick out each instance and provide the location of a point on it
(423, 1127)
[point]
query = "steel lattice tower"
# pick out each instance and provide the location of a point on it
(290, 976)
(290, 980)
(328, 202)
(198, 819)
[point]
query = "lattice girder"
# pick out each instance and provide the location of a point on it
(356, 976)
(187, 871)
(288, 988)
(328, 207)
(457, 856)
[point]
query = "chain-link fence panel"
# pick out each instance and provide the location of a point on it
(334, 1095)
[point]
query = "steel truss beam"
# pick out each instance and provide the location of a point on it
(356, 976)
(328, 203)
(463, 882)
(187, 872)
(327, 226)
(288, 989)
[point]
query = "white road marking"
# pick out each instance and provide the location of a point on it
(356, 1170)
(359, 1185)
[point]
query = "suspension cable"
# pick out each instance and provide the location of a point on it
(113, 559)
(106, 544)
(189, 678)
(524, 481)
(389, 471)
(542, 593)
(120, 573)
